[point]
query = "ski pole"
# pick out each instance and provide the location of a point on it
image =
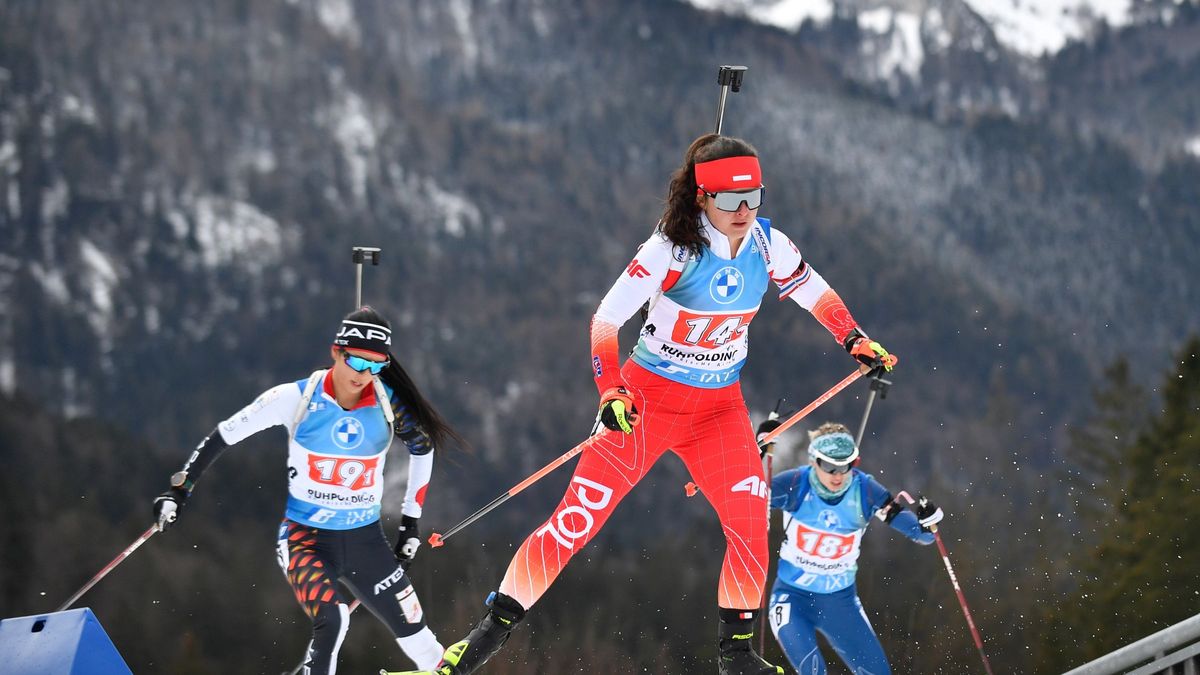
(800, 414)
(878, 386)
(820, 400)
(361, 254)
(110, 566)
(730, 78)
(770, 455)
(436, 540)
(962, 600)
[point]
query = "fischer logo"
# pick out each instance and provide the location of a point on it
(566, 533)
(637, 270)
(596, 366)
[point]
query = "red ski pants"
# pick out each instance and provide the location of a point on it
(709, 429)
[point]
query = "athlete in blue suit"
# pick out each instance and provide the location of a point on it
(341, 422)
(826, 508)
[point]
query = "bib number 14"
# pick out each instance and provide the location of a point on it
(709, 331)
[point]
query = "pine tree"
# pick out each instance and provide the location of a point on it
(1142, 576)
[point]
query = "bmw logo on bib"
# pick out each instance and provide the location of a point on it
(348, 433)
(726, 285)
(828, 519)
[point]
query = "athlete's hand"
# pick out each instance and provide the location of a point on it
(167, 507)
(617, 411)
(768, 425)
(408, 540)
(868, 352)
(928, 514)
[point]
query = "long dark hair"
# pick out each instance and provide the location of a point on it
(395, 376)
(680, 221)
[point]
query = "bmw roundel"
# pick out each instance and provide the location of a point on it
(726, 285)
(828, 519)
(347, 433)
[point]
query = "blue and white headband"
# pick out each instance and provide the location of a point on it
(837, 448)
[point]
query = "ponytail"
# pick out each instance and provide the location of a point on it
(404, 389)
(427, 417)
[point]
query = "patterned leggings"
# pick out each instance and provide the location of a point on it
(314, 560)
(709, 429)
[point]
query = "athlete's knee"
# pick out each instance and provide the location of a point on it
(331, 617)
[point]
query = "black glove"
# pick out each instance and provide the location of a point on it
(768, 425)
(928, 514)
(617, 411)
(888, 512)
(167, 506)
(408, 540)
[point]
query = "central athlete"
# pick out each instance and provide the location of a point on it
(703, 272)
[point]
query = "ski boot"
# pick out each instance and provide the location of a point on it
(467, 655)
(735, 632)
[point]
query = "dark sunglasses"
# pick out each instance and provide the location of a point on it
(360, 365)
(732, 201)
(830, 467)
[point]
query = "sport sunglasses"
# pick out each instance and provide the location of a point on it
(732, 201)
(361, 365)
(829, 467)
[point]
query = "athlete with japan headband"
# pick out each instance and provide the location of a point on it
(341, 422)
(704, 271)
(827, 506)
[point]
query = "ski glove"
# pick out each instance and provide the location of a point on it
(888, 512)
(928, 514)
(408, 540)
(167, 506)
(767, 426)
(617, 411)
(868, 352)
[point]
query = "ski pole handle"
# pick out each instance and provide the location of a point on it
(692, 488)
(729, 77)
(804, 412)
(359, 255)
(110, 566)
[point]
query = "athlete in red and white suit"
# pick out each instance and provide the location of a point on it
(679, 391)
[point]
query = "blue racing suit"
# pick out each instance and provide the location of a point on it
(814, 589)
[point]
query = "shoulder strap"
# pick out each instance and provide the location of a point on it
(309, 389)
(799, 499)
(761, 231)
(385, 402)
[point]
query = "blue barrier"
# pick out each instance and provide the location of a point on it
(58, 643)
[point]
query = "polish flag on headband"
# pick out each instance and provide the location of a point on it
(730, 173)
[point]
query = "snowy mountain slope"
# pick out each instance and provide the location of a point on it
(958, 59)
(1029, 28)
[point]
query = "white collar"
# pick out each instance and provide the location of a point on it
(718, 242)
